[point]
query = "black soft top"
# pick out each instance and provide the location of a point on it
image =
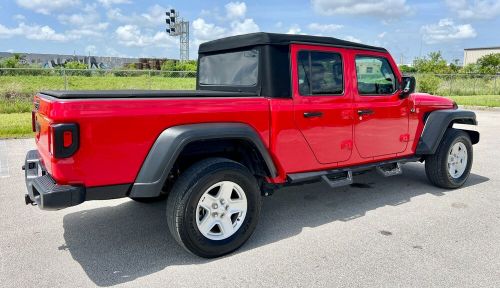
(264, 38)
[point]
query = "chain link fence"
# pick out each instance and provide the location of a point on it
(25, 82)
(458, 84)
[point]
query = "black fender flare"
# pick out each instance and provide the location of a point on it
(436, 124)
(171, 142)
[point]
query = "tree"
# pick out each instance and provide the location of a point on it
(75, 65)
(470, 69)
(433, 63)
(173, 65)
(489, 64)
(11, 62)
(407, 69)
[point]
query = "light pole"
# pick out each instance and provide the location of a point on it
(178, 27)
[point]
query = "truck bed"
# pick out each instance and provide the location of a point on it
(96, 94)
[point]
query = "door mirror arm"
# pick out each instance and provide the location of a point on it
(407, 86)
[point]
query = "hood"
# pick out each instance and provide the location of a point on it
(428, 100)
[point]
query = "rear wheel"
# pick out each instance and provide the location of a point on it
(213, 207)
(450, 166)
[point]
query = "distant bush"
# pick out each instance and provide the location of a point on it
(174, 65)
(428, 83)
(489, 64)
(407, 69)
(75, 65)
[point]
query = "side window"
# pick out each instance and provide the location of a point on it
(375, 76)
(320, 73)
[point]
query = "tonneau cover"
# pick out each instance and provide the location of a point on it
(85, 94)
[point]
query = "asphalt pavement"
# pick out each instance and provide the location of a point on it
(391, 232)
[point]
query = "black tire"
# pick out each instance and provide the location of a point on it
(187, 191)
(436, 166)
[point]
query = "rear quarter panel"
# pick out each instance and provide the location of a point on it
(117, 134)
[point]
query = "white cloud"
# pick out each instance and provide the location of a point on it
(244, 27)
(46, 7)
(236, 10)
(236, 20)
(477, 9)
(19, 17)
(294, 29)
(114, 53)
(382, 35)
(446, 31)
(204, 31)
(77, 19)
(91, 50)
(154, 17)
(133, 36)
(35, 32)
(109, 3)
(95, 30)
(325, 28)
(85, 24)
(352, 39)
(376, 8)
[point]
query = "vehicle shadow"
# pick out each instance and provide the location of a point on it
(119, 244)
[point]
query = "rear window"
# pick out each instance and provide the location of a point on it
(230, 69)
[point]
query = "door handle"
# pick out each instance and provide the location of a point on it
(363, 112)
(313, 114)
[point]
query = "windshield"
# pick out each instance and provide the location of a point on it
(230, 69)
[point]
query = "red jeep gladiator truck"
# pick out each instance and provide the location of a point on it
(269, 110)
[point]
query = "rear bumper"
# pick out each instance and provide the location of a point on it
(43, 191)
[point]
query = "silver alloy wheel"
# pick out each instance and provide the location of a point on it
(457, 160)
(221, 210)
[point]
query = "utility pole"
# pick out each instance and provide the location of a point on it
(179, 27)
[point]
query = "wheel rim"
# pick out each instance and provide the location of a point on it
(457, 160)
(221, 210)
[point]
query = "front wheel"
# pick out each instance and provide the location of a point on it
(213, 207)
(450, 166)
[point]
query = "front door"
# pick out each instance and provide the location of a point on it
(381, 126)
(322, 105)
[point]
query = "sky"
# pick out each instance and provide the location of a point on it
(129, 28)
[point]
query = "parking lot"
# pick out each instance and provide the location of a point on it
(397, 231)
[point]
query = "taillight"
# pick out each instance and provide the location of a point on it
(64, 140)
(33, 119)
(67, 139)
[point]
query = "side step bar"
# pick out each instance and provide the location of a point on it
(339, 180)
(344, 176)
(388, 170)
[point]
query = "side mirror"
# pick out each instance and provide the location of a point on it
(408, 84)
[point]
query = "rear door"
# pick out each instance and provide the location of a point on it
(322, 104)
(381, 126)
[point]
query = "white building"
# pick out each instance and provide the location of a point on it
(471, 55)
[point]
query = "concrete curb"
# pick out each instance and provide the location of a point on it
(482, 108)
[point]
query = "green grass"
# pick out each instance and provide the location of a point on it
(27, 86)
(478, 100)
(15, 125)
(8, 106)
